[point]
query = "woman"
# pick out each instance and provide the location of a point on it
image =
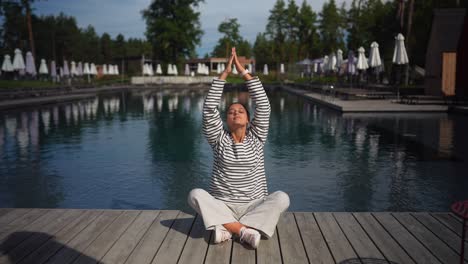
(238, 202)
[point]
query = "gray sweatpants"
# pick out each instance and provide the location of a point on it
(260, 214)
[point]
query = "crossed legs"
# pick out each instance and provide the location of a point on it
(262, 215)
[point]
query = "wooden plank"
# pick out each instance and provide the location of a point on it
(151, 241)
(336, 240)
(62, 237)
(425, 236)
(219, 253)
(173, 244)
(412, 246)
(4, 211)
(361, 243)
(41, 235)
(130, 238)
(441, 231)
(96, 250)
(269, 250)
(292, 248)
(242, 254)
(15, 238)
(24, 220)
(450, 222)
(389, 247)
(315, 245)
(197, 243)
(13, 215)
(73, 249)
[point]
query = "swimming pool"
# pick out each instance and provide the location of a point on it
(144, 149)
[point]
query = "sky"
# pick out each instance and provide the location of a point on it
(124, 16)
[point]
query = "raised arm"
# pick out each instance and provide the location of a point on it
(212, 123)
(261, 120)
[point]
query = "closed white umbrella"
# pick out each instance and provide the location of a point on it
(174, 70)
(43, 67)
(110, 69)
(282, 68)
(116, 70)
(73, 70)
(66, 71)
(351, 64)
(218, 69)
(7, 66)
(93, 69)
(207, 69)
(86, 68)
(187, 70)
(158, 69)
(151, 70)
(223, 67)
(30, 65)
(325, 63)
(362, 60)
(234, 70)
(104, 70)
(79, 69)
(265, 69)
(202, 69)
(146, 70)
(18, 61)
(332, 62)
(339, 59)
(250, 67)
(170, 71)
(199, 68)
(374, 56)
(53, 69)
(399, 53)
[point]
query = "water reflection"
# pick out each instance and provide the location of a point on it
(145, 149)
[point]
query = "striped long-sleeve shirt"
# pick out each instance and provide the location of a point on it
(238, 171)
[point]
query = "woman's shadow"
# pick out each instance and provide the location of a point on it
(19, 245)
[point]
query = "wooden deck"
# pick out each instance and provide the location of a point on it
(148, 236)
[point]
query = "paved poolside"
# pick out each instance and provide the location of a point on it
(373, 105)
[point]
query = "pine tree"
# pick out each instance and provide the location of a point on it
(331, 27)
(231, 38)
(173, 28)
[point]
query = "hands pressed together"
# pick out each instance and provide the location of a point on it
(233, 59)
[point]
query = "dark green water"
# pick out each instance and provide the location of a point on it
(145, 150)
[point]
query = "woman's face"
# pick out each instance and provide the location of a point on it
(236, 116)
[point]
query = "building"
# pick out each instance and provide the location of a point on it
(445, 66)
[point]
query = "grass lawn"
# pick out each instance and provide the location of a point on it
(8, 84)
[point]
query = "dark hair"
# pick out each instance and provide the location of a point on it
(243, 105)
